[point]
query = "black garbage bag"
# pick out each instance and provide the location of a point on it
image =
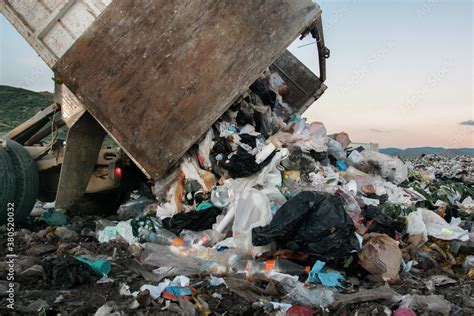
(261, 88)
(221, 147)
(242, 164)
(245, 115)
(378, 222)
(67, 272)
(196, 221)
(314, 222)
(248, 139)
(261, 125)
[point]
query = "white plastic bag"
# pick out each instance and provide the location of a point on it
(263, 154)
(191, 171)
(276, 198)
(355, 157)
(427, 222)
(252, 209)
(122, 229)
(390, 168)
(268, 177)
(416, 226)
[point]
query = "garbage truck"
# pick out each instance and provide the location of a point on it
(154, 75)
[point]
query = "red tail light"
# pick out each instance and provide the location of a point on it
(118, 172)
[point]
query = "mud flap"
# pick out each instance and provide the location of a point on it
(83, 144)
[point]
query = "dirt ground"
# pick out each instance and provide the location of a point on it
(39, 243)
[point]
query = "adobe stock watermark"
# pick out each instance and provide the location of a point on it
(433, 81)
(335, 17)
(10, 255)
(457, 140)
(361, 72)
(427, 6)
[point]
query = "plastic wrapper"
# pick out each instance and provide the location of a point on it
(298, 293)
(350, 204)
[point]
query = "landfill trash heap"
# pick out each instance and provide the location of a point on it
(289, 219)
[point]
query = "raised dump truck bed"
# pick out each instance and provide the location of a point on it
(156, 74)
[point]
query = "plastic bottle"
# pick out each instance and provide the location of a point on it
(252, 267)
(220, 196)
(161, 237)
(100, 266)
(202, 238)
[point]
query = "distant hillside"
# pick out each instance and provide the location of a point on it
(415, 152)
(17, 105)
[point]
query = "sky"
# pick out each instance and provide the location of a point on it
(400, 72)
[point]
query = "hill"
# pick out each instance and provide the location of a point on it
(417, 151)
(17, 105)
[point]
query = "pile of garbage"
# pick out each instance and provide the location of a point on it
(458, 168)
(270, 210)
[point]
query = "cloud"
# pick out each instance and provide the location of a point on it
(375, 130)
(469, 122)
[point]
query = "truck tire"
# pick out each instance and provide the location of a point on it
(26, 181)
(7, 184)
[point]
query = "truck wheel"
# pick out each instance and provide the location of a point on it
(27, 180)
(7, 184)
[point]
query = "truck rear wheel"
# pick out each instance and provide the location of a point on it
(7, 184)
(26, 180)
